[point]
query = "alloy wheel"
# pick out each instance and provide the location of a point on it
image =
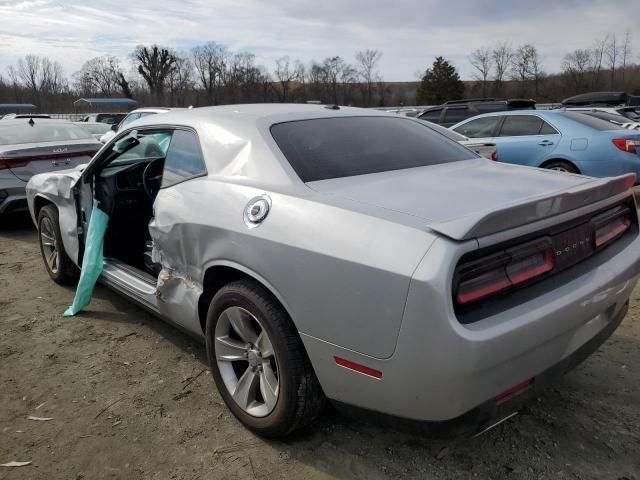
(49, 244)
(246, 361)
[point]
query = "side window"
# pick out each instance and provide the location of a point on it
(547, 129)
(479, 128)
(491, 107)
(184, 158)
(521, 125)
(431, 115)
(455, 115)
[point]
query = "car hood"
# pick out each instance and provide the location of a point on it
(475, 197)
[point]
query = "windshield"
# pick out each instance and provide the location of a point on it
(325, 148)
(95, 127)
(20, 133)
(139, 147)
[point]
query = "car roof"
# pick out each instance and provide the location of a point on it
(263, 113)
(155, 109)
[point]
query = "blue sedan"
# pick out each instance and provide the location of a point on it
(559, 140)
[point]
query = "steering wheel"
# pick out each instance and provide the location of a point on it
(151, 177)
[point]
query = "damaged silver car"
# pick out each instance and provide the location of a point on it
(350, 255)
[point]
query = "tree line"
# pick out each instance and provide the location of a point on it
(208, 74)
(504, 70)
(211, 74)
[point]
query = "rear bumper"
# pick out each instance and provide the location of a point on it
(442, 369)
(13, 196)
(493, 412)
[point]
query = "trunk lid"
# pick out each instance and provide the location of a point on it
(474, 198)
(27, 160)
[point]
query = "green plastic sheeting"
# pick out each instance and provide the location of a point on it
(91, 261)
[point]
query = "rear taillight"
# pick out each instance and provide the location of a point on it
(12, 162)
(499, 272)
(610, 226)
(629, 145)
(21, 161)
(494, 156)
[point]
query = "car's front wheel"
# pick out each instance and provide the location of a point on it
(258, 361)
(58, 264)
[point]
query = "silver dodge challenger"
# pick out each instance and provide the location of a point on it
(350, 255)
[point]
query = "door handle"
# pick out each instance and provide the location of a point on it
(545, 143)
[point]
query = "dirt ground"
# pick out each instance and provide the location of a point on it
(130, 397)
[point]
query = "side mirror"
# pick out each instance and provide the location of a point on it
(114, 127)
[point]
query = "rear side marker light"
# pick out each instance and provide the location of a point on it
(356, 367)
(494, 156)
(629, 145)
(507, 394)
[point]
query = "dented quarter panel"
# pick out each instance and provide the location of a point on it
(356, 273)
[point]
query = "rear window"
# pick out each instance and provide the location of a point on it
(325, 148)
(592, 122)
(455, 115)
(43, 131)
(431, 115)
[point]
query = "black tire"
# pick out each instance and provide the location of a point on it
(561, 166)
(300, 399)
(65, 271)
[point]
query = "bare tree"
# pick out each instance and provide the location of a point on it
(537, 72)
(29, 72)
(577, 66)
(481, 59)
(41, 77)
(286, 73)
(367, 68)
(526, 68)
(625, 52)
(99, 76)
(611, 52)
(502, 54)
(180, 80)
(210, 61)
(155, 64)
(597, 57)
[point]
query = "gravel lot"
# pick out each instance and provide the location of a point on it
(130, 397)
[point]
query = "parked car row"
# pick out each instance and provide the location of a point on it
(563, 140)
(357, 256)
(29, 146)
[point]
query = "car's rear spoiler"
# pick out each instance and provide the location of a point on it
(480, 224)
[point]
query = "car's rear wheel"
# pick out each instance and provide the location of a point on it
(58, 264)
(561, 166)
(258, 361)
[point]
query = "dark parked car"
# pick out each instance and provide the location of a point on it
(108, 118)
(456, 111)
(31, 146)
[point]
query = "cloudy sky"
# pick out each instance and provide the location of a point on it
(410, 33)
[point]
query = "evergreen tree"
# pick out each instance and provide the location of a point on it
(440, 83)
